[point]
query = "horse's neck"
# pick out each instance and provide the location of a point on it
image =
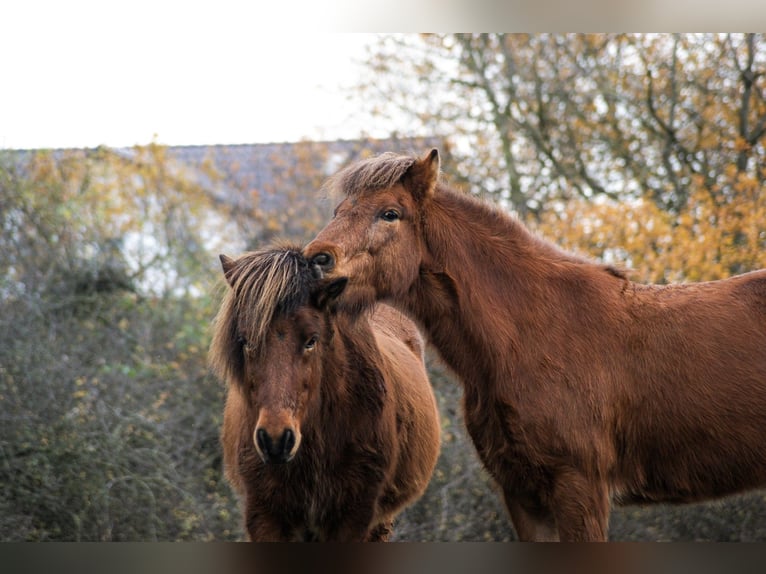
(483, 250)
(334, 385)
(482, 271)
(462, 226)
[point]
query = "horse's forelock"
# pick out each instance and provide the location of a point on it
(269, 282)
(371, 174)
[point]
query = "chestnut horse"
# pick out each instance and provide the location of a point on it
(580, 386)
(330, 425)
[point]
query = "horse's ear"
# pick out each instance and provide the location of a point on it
(329, 292)
(422, 175)
(228, 264)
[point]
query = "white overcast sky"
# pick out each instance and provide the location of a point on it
(77, 73)
(82, 73)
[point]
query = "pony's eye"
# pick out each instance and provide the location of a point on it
(389, 215)
(311, 343)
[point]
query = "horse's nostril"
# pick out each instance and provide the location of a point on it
(288, 442)
(263, 440)
(277, 449)
(323, 260)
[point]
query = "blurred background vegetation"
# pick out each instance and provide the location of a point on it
(645, 151)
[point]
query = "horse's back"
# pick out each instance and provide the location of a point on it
(723, 321)
(403, 350)
(397, 326)
(751, 287)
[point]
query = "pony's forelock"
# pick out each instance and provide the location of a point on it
(263, 285)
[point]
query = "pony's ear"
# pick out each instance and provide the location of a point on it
(228, 264)
(422, 175)
(329, 292)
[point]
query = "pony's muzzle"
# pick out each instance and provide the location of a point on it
(275, 449)
(325, 261)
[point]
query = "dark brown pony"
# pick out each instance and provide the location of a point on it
(330, 426)
(580, 386)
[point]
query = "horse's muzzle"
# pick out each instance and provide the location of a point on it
(275, 449)
(324, 261)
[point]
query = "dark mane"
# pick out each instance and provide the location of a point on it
(378, 172)
(264, 284)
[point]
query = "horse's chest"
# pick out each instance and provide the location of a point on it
(316, 500)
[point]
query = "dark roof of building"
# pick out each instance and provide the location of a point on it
(233, 172)
(263, 167)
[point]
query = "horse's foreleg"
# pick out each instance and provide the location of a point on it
(581, 507)
(381, 532)
(261, 526)
(357, 523)
(531, 527)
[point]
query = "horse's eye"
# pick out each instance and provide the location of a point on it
(311, 343)
(241, 341)
(389, 215)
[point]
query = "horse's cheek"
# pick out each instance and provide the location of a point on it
(380, 238)
(311, 376)
(405, 258)
(393, 258)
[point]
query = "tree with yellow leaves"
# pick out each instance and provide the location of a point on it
(647, 149)
(110, 428)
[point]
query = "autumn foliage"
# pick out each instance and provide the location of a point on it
(707, 239)
(644, 149)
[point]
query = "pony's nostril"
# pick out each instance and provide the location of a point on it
(323, 260)
(263, 440)
(288, 442)
(275, 450)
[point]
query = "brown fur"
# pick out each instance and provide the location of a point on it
(581, 387)
(352, 391)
